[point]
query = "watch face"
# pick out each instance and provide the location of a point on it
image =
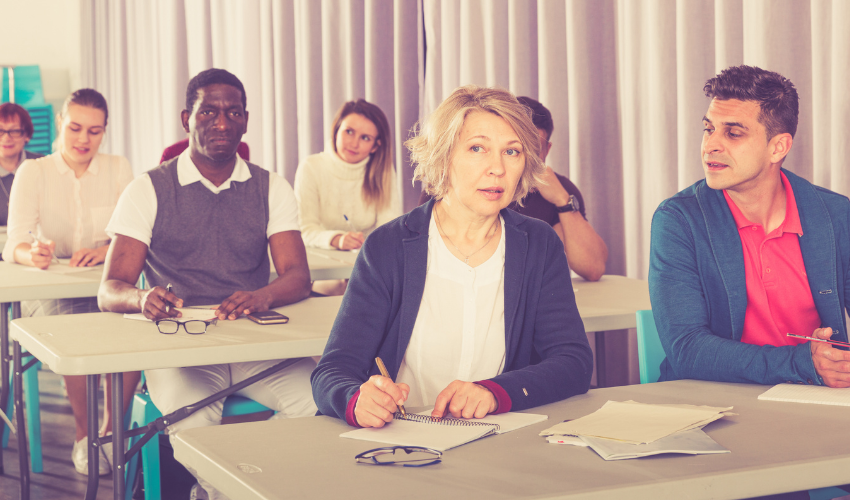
(572, 206)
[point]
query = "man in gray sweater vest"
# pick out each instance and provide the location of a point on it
(203, 222)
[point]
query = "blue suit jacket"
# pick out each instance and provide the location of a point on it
(547, 354)
(699, 291)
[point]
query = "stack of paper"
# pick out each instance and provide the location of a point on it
(629, 429)
(814, 394)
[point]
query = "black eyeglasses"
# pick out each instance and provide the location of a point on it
(15, 133)
(194, 327)
(414, 456)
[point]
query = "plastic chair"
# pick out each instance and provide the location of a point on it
(650, 352)
(145, 412)
(32, 411)
(28, 88)
(650, 356)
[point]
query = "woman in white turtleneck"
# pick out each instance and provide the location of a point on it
(348, 190)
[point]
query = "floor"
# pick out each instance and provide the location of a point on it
(60, 481)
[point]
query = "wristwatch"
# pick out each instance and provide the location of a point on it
(572, 206)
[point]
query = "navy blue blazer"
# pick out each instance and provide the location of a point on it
(547, 355)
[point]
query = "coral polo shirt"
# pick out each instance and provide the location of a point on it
(779, 299)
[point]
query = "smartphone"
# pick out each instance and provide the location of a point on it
(268, 318)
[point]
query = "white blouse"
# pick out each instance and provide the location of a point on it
(328, 188)
(49, 200)
(459, 332)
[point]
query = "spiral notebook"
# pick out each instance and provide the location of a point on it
(442, 433)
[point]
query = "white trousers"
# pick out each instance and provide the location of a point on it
(288, 392)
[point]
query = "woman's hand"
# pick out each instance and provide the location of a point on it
(348, 241)
(86, 257)
(42, 253)
(379, 399)
(466, 400)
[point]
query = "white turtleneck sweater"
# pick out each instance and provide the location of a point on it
(326, 188)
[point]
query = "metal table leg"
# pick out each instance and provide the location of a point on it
(94, 450)
(4, 368)
(23, 455)
(118, 464)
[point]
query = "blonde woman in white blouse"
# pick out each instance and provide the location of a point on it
(65, 200)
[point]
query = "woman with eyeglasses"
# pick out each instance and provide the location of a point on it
(59, 207)
(15, 132)
(468, 304)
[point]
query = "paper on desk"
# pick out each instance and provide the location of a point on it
(63, 267)
(637, 423)
(814, 394)
(507, 422)
(572, 440)
(690, 442)
(189, 314)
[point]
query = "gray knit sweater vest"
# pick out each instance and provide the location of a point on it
(209, 245)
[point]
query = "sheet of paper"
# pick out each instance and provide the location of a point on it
(691, 442)
(637, 423)
(409, 433)
(571, 440)
(64, 268)
(507, 422)
(812, 394)
(188, 315)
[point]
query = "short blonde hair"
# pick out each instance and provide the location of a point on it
(432, 147)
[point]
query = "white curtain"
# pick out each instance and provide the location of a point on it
(298, 59)
(623, 79)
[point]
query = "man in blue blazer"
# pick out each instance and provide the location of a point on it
(752, 252)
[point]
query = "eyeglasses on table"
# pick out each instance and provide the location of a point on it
(406, 456)
(193, 327)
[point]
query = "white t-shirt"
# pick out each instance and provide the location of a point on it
(136, 211)
(48, 199)
(459, 332)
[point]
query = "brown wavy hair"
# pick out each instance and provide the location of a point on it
(376, 183)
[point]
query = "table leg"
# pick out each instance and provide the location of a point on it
(118, 436)
(4, 369)
(612, 358)
(23, 455)
(94, 450)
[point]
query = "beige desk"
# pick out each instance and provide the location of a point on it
(113, 344)
(329, 264)
(776, 447)
(3, 237)
(611, 302)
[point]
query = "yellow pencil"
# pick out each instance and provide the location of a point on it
(385, 373)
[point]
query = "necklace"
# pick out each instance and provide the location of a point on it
(466, 257)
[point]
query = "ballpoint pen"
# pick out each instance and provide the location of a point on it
(167, 303)
(52, 256)
(385, 373)
(815, 339)
(348, 222)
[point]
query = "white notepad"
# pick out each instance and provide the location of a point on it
(442, 434)
(813, 394)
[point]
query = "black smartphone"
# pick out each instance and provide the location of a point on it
(268, 318)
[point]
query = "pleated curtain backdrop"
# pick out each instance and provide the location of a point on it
(298, 59)
(623, 79)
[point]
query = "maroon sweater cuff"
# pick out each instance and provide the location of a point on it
(502, 398)
(349, 409)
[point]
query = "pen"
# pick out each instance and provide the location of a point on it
(815, 339)
(168, 304)
(347, 221)
(385, 373)
(36, 238)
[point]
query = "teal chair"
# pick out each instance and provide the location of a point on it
(32, 411)
(145, 412)
(650, 356)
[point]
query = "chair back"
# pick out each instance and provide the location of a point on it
(650, 352)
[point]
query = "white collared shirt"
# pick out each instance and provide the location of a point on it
(459, 332)
(136, 211)
(48, 199)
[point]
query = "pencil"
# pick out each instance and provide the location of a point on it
(385, 373)
(815, 339)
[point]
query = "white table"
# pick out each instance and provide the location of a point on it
(116, 345)
(775, 447)
(329, 264)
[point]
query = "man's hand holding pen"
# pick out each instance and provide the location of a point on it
(833, 365)
(159, 303)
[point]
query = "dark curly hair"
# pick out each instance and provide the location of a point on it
(210, 77)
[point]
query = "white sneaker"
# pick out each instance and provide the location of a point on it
(198, 492)
(80, 457)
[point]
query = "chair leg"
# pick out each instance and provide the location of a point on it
(33, 413)
(144, 412)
